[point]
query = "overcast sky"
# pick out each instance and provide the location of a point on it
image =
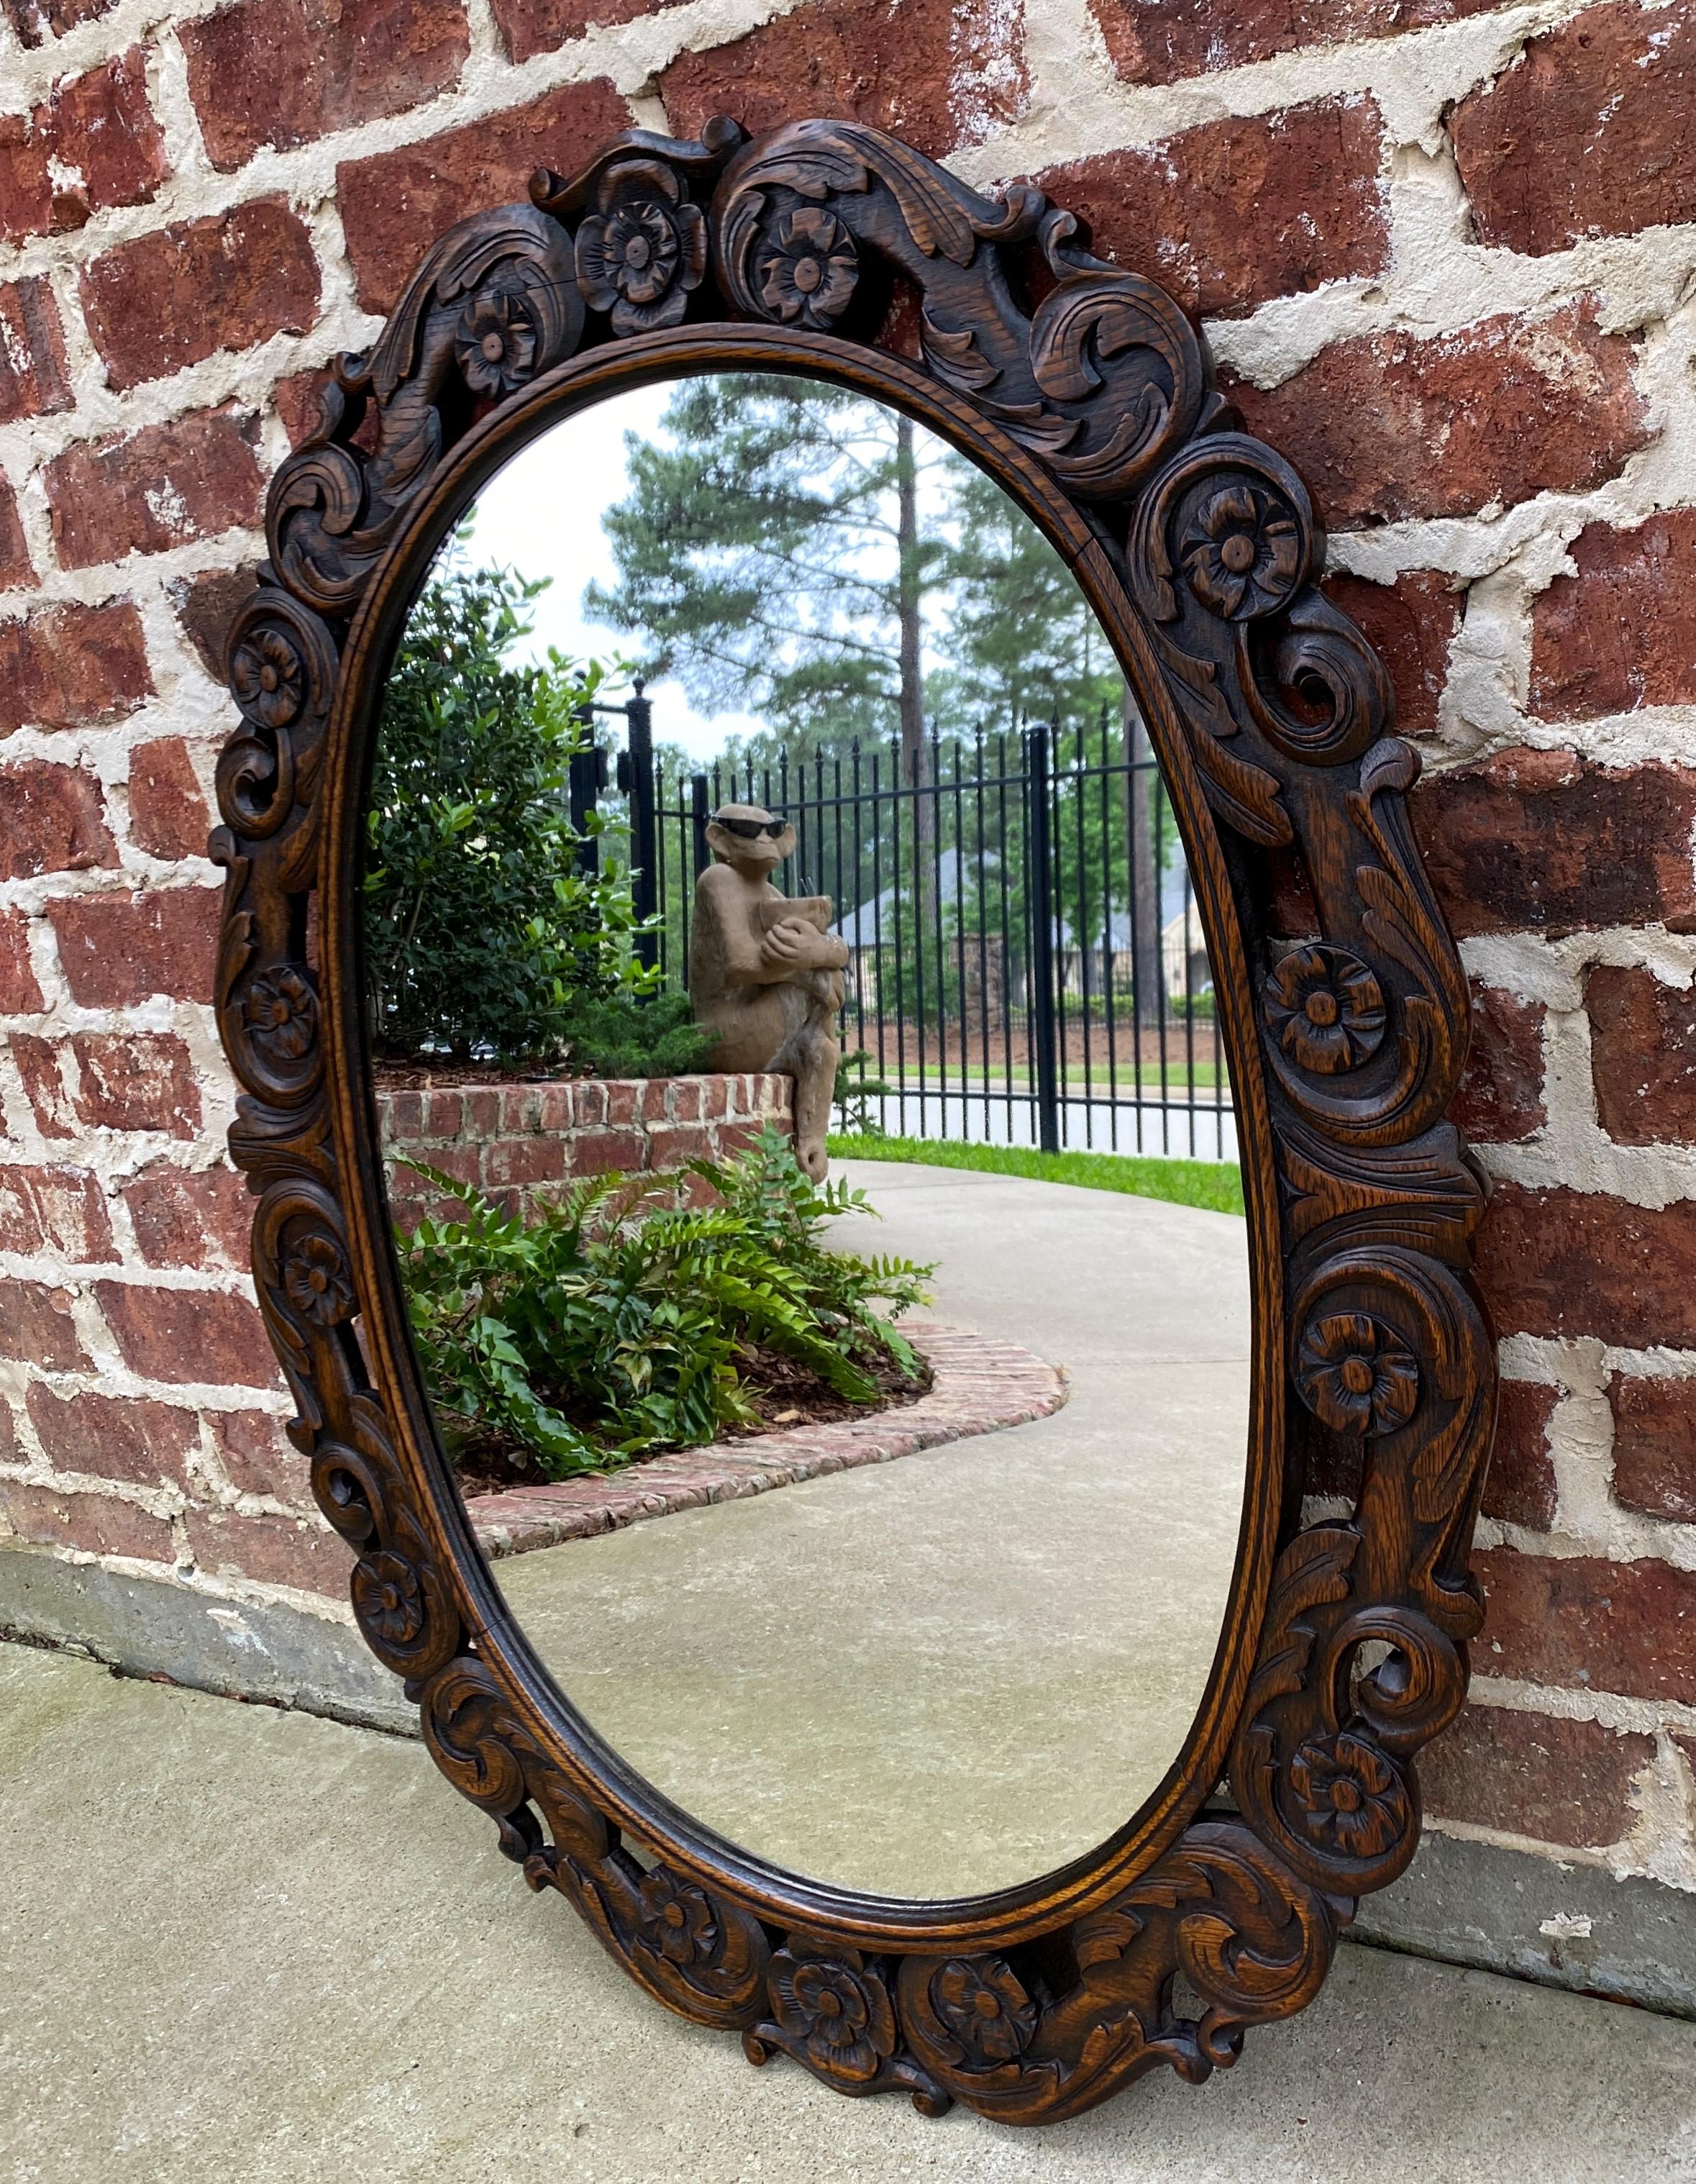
(541, 514)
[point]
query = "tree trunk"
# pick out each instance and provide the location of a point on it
(909, 597)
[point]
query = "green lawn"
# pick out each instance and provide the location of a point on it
(1216, 1184)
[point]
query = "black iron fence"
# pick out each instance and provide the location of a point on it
(1026, 961)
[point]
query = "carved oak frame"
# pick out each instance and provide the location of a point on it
(831, 249)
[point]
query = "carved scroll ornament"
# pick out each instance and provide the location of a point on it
(1271, 717)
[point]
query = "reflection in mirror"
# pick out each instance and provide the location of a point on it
(885, 1520)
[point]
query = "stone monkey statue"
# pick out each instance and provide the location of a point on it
(766, 970)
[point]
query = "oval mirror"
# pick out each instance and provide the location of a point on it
(843, 1047)
(947, 1673)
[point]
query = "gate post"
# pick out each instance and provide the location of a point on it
(1040, 891)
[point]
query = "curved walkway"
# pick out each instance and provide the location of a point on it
(952, 1673)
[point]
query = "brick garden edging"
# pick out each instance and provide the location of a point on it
(507, 1137)
(980, 1386)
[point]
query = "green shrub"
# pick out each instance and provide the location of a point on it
(854, 1092)
(482, 935)
(600, 1324)
(628, 1035)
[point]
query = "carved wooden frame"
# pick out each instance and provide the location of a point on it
(829, 249)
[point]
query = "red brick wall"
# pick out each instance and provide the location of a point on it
(1444, 250)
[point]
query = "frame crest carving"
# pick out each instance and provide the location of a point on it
(829, 249)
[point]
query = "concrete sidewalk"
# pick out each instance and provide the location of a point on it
(949, 1673)
(246, 1946)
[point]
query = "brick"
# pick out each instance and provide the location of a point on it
(1520, 1488)
(1571, 1262)
(1621, 633)
(185, 291)
(1389, 426)
(670, 1144)
(206, 603)
(1627, 1627)
(39, 1064)
(135, 1081)
(110, 1437)
(283, 72)
(1233, 213)
(72, 666)
(60, 1210)
(36, 1326)
(35, 22)
(1655, 1446)
(259, 1457)
(1587, 134)
(20, 995)
(169, 815)
(600, 1152)
(119, 949)
(1544, 842)
(86, 149)
(1152, 41)
(299, 1552)
(520, 1161)
(684, 1101)
(1643, 1056)
(35, 376)
(395, 204)
(187, 1336)
(940, 73)
(1500, 1099)
(147, 491)
(298, 399)
(1411, 623)
(1557, 1781)
(17, 570)
(94, 144)
(190, 1217)
(539, 26)
(55, 821)
(91, 1524)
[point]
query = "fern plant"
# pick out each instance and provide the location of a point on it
(602, 1323)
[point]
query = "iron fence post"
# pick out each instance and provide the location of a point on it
(1042, 942)
(587, 778)
(698, 816)
(643, 831)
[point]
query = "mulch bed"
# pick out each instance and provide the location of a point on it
(454, 1077)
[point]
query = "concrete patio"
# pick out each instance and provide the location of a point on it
(244, 1946)
(255, 1946)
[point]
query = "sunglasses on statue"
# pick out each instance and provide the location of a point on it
(750, 830)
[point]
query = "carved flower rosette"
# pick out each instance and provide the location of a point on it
(1199, 549)
(642, 252)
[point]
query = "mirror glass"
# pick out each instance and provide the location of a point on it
(877, 1499)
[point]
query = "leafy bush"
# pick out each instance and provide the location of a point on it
(482, 936)
(600, 1324)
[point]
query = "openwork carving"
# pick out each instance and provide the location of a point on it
(1199, 547)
